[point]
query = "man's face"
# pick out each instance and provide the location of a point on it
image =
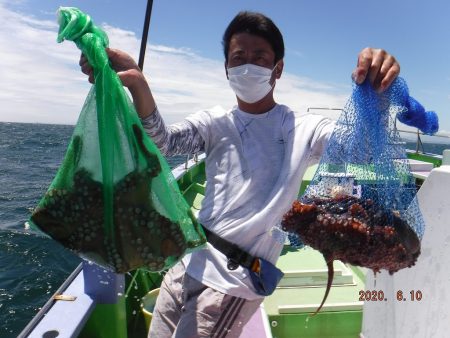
(248, 48)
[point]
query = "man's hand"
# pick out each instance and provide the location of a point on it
(379, 66)
(131, 76)
(86, 68)
(127, 69)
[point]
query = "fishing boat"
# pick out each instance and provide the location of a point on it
(94, 302)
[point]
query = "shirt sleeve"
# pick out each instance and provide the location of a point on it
(176, 139)
(320, 138)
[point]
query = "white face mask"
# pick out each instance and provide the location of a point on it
(250, 82)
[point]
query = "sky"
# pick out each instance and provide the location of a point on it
(41, 81)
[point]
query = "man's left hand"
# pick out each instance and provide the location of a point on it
(379, 66)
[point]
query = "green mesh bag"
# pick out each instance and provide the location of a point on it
(114, 200)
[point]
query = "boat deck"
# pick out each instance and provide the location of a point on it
(301, 291)
(420, 169)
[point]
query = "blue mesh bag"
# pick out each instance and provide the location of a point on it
(361, 206)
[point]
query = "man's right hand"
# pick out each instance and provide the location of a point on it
(131, 76)
(86, 68)
(125, 66)
(129, 72)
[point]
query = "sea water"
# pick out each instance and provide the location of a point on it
(32, 266)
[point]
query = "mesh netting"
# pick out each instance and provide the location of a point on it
(295, 241)
(415, 115)
(114, 199)
(361, 205)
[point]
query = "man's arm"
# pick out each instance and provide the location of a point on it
(180, 138)
(176, 139)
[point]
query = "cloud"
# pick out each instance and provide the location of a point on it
(42, 82)
(294, 52)
(38, 82)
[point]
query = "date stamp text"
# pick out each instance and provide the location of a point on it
(400, 295)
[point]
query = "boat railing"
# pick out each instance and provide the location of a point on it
(48, 305)
(419, 143)
(194, 157)
(418, 139)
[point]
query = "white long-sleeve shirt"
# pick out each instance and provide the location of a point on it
(254, 167)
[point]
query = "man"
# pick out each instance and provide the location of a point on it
(257, 153)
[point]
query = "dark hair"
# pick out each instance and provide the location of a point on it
(256, 24)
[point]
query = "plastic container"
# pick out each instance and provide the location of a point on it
(148, 304)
